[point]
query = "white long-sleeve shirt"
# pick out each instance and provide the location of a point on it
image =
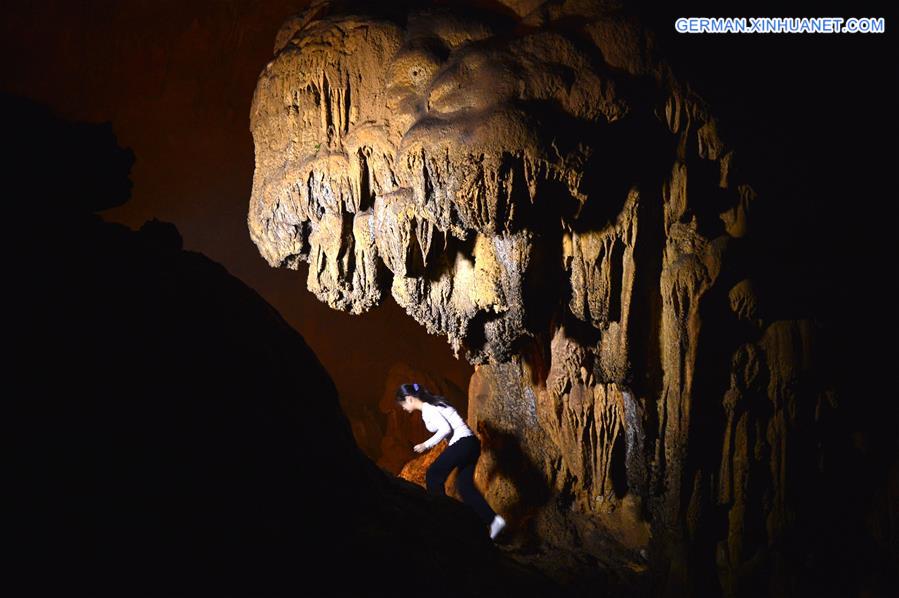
(443, 420)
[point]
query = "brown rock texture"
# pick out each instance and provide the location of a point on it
(538, 186)
(415, 469)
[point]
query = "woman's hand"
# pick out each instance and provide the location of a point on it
(420, 448)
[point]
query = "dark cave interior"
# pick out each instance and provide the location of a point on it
(188, 421)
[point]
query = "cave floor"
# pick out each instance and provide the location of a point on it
(618, 572)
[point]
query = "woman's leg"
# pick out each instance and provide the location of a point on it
(471, 496)
(435, 477)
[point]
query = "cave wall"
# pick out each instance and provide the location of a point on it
(533, 181)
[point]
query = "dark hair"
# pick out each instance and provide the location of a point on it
(418, 391)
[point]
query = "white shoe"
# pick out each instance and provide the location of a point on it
(496, 526)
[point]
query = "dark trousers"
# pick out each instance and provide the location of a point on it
(463, 454)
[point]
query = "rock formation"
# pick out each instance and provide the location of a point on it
(533, 181)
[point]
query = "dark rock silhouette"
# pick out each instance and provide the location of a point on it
(172, 435)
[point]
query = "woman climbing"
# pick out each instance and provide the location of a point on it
(463, 451)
